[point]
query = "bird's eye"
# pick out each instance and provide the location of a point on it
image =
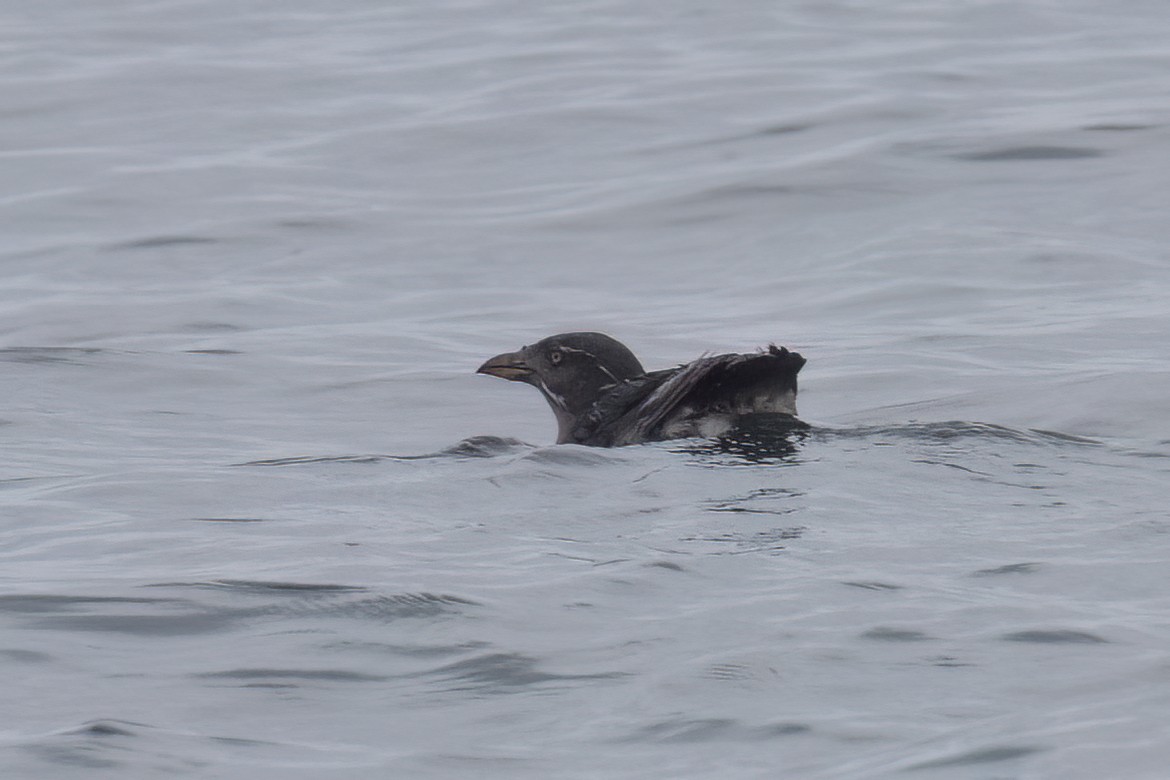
(555, 357)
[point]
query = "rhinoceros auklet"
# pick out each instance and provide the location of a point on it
(602, 396)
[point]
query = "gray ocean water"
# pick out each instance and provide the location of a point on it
(254, 251)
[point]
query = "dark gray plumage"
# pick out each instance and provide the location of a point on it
(602, 396)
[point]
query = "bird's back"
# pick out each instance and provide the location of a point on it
(704, 398)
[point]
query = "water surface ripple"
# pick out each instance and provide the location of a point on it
(262, 520)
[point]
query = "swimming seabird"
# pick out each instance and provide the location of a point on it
(602, 396)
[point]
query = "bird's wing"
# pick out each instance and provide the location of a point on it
(603, 424)
(731, 385)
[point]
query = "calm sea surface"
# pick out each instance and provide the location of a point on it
(254, 251)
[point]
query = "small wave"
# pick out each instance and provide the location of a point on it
(574, 455)
(505, 673)
(25, 656)
(200, 622)
(1060, 636)
(123, 745)
(953, 430)
(108, 728)
(1011, 568)
(302, 460)
(46, 354)
(888, 634)
(39, 603)
(263, 586)
(473, 447)
(872, 585)
(298, 675)
(767, 541)
(481, 447)
(691, 730)
(982, 756)
(163, 616)
(1030, 153)
(304, 598)
(160, 242)
(378, 608)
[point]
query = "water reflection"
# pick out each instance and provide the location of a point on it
(759, 438)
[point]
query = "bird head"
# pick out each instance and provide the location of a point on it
(570, 370)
